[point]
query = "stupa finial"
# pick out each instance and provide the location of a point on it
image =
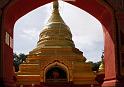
(55, 4)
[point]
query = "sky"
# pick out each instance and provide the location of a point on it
(87, 32)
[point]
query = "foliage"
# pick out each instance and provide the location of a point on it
(95, 66)
(18, 59)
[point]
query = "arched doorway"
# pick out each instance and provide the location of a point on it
(56, 74)
(103, 14)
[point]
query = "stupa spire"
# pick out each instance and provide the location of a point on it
(55, 5)
(55, 17)
(55, 34)
(102, 67)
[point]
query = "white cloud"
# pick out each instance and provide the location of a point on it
(86, 30)
(31, 33)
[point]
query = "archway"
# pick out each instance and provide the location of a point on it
(103, 14)
(56, 74)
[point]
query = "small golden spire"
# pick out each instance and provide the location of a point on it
(102, 67)
(55, 4)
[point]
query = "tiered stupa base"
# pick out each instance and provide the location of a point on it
(42, 61)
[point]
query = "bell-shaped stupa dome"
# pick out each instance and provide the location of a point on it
(55, 34)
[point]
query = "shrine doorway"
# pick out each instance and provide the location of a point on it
(56, 74)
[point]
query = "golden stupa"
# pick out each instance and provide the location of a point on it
(100, 74)
(55, 60)
(101, 68)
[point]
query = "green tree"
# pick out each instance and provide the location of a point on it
(16, 62)
(22, 57)
(95, 66)
(18, 59)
